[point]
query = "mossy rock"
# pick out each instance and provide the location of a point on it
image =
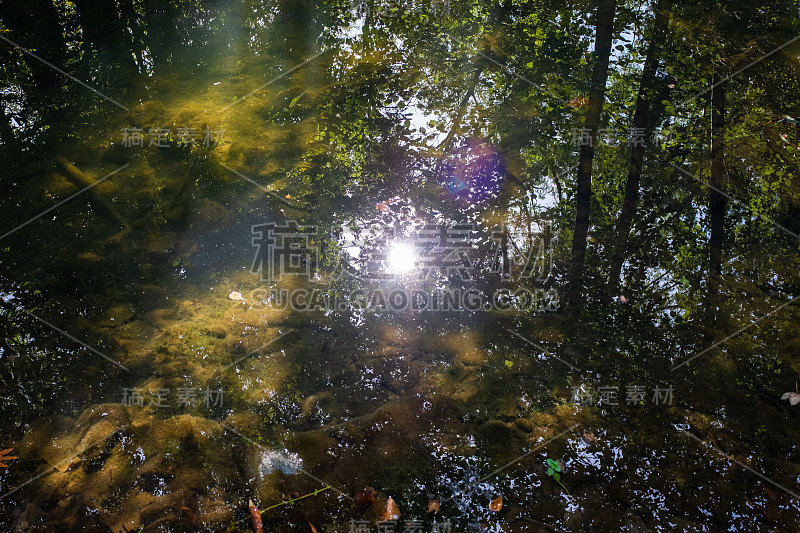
(147, 115)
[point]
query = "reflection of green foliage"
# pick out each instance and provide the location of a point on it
(554, 471)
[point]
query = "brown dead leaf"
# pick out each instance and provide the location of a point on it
(434, 505)
(362, 499)
(365, 497)
(390, 511)
(579, 101)
(258, 527)
(188, 513)
(5, 457)
(313, 529)
(589, 438)
(496, 504)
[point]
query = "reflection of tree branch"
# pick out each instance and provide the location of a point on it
(554, 177)
(8, 345)
(462, 109)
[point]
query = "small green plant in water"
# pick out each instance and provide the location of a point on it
(292, 500)
(554, 471)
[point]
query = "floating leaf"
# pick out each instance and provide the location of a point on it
(434, 505)
(553, 469)
(5, 457)
(390, 511)
(496, 504)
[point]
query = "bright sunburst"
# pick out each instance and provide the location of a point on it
(401, 258)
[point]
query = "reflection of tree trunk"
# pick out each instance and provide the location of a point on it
(642, 122)
(583, 194)
(160, 24)
(717, 202)
(103, 29)
(295, 21)
(131, 19)
(297, 31)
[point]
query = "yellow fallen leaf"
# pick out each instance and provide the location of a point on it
(496, 504)
(390, 511)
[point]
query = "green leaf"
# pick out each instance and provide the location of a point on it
(509, 364)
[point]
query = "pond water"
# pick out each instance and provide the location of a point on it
(337, 264)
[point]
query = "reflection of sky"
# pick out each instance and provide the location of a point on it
(283, 460)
